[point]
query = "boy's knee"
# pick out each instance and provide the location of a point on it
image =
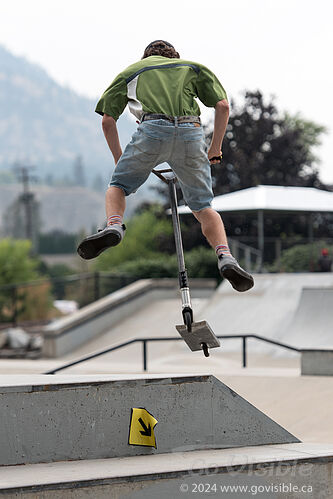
(206, 214)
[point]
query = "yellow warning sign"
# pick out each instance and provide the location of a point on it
(142, 428)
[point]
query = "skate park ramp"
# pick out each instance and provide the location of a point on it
(311, 324)
(268, 310)
(275, 308)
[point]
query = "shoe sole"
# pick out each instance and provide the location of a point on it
(91, 247)
(240, 280)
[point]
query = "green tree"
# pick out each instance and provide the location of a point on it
(17, 267)
(264, 146)
(16, 264)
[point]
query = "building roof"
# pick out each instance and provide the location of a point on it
(273, 198)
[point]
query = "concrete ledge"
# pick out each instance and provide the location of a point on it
(317, 362)
(68, 333)
(55, 418)
(148, 477)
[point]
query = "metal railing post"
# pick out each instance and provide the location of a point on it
(244, 351)
(144, 351)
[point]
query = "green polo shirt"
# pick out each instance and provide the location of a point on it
(158, 84)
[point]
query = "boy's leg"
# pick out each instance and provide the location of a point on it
(115, 203)
(213, 229)
(133, 168)
(113, 234)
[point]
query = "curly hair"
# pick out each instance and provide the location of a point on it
(160, 47)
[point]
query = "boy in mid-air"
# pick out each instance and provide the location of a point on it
(160, 90)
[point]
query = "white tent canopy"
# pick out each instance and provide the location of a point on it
(273, 198)
(265, 198)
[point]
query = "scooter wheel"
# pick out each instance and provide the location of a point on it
(188, 321)
(205, 349)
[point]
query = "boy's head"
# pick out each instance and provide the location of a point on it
(161, 47)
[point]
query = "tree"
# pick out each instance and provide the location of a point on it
(21, 301)
(16, 263)
(79, 175)
(263, 146)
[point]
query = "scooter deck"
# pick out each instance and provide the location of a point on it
(201, 333)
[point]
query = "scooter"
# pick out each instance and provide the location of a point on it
(197, 335)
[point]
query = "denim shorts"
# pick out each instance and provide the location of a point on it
(182, 146)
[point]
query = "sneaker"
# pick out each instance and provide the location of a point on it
(94, 245)
(230, 269)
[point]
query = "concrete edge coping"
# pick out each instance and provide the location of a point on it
(159, 466)
(46, 382)
(117, 298)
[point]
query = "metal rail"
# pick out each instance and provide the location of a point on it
(145, 341)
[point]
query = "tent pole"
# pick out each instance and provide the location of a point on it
(261, 238)
(310, 228)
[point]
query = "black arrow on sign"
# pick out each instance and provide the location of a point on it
(146, 431)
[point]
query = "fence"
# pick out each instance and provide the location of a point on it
(249, 256)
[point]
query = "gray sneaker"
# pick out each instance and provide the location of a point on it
(94, 245)
(230, 269)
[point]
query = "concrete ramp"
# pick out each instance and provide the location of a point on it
(59, 418)
(267, 309)
(311, 324)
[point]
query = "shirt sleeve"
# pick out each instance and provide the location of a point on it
(114, 99)
(209, 89)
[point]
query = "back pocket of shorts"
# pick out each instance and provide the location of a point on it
(194, 150)
(147, 146)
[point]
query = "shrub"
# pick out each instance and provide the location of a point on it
(302, 257)
(200, 263)
(156, 266)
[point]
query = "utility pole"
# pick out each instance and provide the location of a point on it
(27, 197)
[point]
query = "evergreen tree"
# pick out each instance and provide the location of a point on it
(79, 175)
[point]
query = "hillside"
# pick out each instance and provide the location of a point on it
(70, 209)
(48, 125)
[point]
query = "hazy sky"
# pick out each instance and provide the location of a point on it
(280, 47)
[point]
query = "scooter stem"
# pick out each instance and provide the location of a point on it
(182, 272)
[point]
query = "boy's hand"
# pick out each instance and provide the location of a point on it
(214, 156)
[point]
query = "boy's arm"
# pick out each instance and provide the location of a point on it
(220, 126)
(111, 135)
